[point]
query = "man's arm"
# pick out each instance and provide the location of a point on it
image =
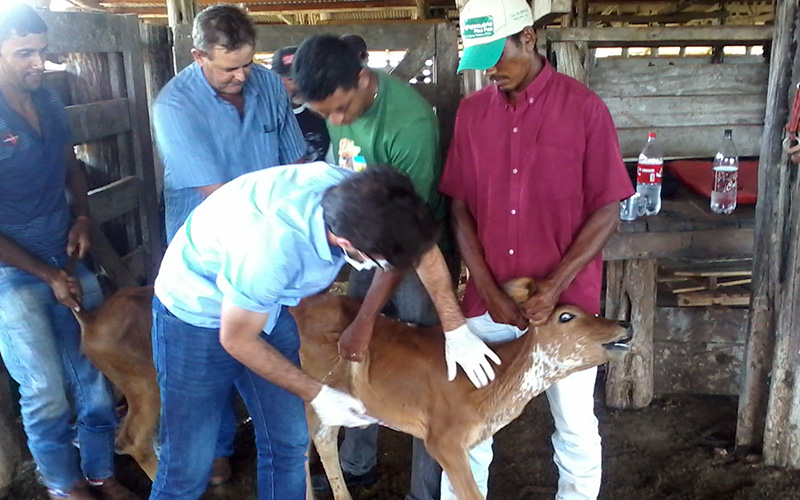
(499, 305)
(66, 288)
(240, 336)
(78, 240)
(461, 346)
(356, 337)
(591, 239)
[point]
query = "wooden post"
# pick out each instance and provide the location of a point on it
(769, 403)
(181, 13)
(448, 83)
(631, 296)
(10, 452)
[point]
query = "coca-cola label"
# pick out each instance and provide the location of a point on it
(649, 173)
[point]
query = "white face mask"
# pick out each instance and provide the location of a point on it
(366, 263)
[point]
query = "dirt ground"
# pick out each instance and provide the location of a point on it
(679, 448)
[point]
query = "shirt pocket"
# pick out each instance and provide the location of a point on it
(556, 173)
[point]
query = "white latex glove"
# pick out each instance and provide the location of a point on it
(335, 408)
(463, 347)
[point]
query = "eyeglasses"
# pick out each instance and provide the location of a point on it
(381, 263)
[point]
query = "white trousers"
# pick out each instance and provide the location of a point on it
(576, 440)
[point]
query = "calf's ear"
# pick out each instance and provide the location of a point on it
(520, 289)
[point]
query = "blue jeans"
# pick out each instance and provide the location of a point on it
(196, 376)
(40, 345)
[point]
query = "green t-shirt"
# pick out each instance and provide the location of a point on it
(400, 129)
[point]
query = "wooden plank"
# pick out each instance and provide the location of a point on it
(96, 120)
(105, 255)
(691, 142)
(676, 17)
(415, 58)
(181, 11)
(680, 111)
(634, 63)
(83, 31)
(765, 419)
(631, 296)
(144, 161)
(734, 296)
(135, 262)
(114, 199)
(653, 37)
(547, 11)
(158, 69)
(688, 80)
(10, 449)
(688, 244)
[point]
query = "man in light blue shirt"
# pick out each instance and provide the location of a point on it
(255, 247)
(219, 118)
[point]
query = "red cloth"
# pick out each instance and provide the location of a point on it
(699, 177)
(532, 175)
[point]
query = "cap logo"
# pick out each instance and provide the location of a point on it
(478, 27)
(287, 59)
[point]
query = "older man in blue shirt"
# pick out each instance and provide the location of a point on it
(253, 248)
(219, 118)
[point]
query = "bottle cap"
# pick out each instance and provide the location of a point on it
(651, 135)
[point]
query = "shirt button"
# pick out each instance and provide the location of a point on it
(515, 130)
(511, 252)
(514, 171)
(530, 100)
(513, 212)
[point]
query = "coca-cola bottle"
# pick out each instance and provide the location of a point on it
(648, 175)
(726, 175)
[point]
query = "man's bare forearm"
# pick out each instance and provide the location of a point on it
(14, 255)
(435, 276)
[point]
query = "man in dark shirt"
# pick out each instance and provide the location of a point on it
(313, 125)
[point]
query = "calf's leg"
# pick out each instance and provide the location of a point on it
(326, 441)
(453, 458)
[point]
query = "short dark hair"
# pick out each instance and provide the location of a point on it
(357, 44)
(381, 214)
(20, 19)
(322, 64)
(224, 25)
(516, 38)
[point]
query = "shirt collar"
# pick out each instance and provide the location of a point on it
(534, 88)
(319, 235)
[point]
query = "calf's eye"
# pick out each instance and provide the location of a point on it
(564, 317)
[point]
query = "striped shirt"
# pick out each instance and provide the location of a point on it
(33, 206)
(203, 140)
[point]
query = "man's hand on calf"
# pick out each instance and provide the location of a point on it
(462, 347)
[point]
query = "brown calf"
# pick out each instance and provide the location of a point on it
(403, 382)
(116, 338)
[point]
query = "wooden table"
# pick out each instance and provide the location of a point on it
(685, 228)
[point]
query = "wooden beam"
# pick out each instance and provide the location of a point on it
(546, 11)
(94, 121)
(769, 403)
(448, 82)
(82, 32)
(415, 58)
(681, 17)
(708, 243)
(691, 141)
(181, 12)
(653, 37)
(677, 111)
(114, 199)
(379, 36)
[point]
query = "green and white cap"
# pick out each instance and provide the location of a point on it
(485, 24)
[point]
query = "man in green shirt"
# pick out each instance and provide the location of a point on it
(374, 118)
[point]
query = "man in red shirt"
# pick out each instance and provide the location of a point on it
(536, 176)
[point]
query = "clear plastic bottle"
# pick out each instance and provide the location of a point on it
(726, 177)
(648, 175)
